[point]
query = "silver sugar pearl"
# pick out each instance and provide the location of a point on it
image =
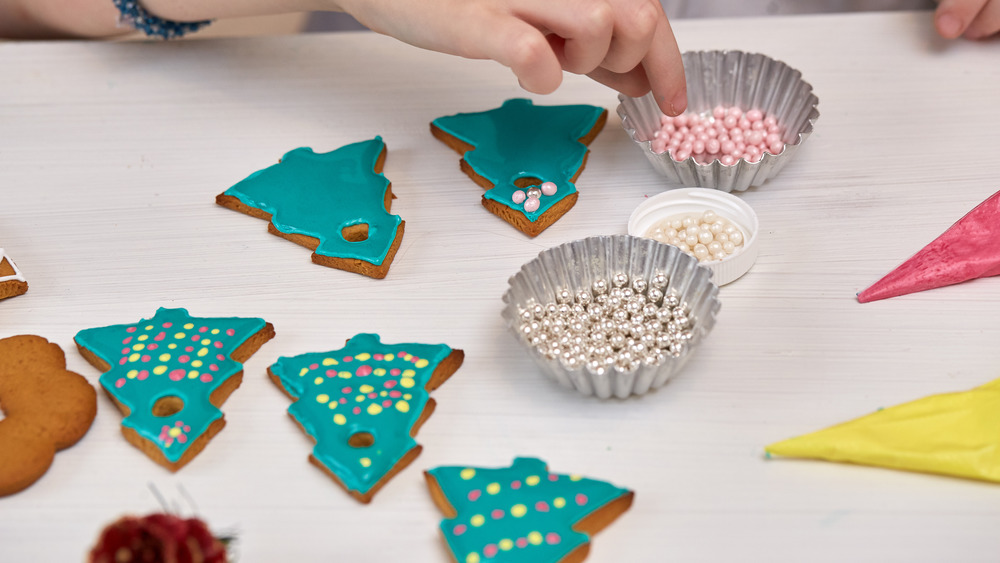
(648, 339)
(686, 335)
(681, 320)
(600, 286)
(637, 331)
(639, 285)
(638, 349)
(596, 366)
(650, 360)
(569, 361)
(623, 327)
(659, 281)
(557, 330)
(564, 295)
(525, 315)
(637, 319)
(619, 315)
(620, 279)
(654, 295)
(671, 300)
(601, 299)
(595, 311)
(598, 337)
(562, 309)
(608, 325)
(538, 310)
(614, 302)
(534, 192)
(579, 340)
(578, 309)
(627, 293)
(649, 310)
(664, 314)
(583, 297)
(550, 309)
(615, 292)
(617, 340)
(664, 340)
(633, 307)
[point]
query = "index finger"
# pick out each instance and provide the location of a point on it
(665, 70)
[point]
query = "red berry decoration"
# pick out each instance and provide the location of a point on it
(157, 538)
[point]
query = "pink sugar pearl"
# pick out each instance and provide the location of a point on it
(549, 188)
(531, 204)
(518, 197)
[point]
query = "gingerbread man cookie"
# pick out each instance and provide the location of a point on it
(46, 409)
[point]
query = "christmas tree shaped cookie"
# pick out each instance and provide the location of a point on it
(12, 282)
(969, 249)
(522, 513)
(954, 434)
(335, 203)
(363, 404)
(526, 156)
(170, 374)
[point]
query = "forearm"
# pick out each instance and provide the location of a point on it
(196, 10)
(28, 19)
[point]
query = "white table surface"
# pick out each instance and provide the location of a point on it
(111, 155)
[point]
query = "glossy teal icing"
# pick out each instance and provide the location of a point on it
(170, 355)
(318, 195)
(366, 386)
(520, 513)
(522, 140)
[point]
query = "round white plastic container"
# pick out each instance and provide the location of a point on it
(696, 200)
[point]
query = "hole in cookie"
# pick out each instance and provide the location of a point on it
(361, 440)
(166, 406)
(355, 233)
(527, 182)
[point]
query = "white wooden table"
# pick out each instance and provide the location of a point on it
(110, 159)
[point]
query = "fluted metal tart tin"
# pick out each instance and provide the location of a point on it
(683, 302)
(730, 79)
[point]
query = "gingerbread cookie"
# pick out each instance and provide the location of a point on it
(170, 374)
(522, 513)
(526, 156)
(335, 203)
(12, 282)
(46, 409)
(363, 404)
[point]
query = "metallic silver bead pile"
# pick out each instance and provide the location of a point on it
(617, 324)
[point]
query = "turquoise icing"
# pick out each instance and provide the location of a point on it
(318, 195)
(366, 386)
(170, 355)
(520, 513)
(522, 140)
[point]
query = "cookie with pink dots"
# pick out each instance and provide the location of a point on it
(526, 156)
(363, 404)
(169, 375)
(522, 513)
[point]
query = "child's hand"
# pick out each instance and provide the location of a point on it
(975, 19)
(625, 44)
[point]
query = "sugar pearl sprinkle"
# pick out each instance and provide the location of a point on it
(618, 324)
(726, 134)
(531, 199)
(707, 236)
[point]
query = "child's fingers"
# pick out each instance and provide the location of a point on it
(635, 28)
(519, 46)
(665, 71)
(987, 23)
(953, 17)
(583, 28)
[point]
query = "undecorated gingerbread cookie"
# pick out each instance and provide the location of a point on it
(12, 282)
(46, 409)
(169, 375)
(363, 404)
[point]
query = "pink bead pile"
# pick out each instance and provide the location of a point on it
(727, 135)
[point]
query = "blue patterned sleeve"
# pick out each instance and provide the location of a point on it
(136, 16)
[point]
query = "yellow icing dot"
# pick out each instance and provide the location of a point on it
(472, 558)
(179, 335)
(175, 432)
(407, 396)
(402, 406)
(160, 370)
(322, 398)
(138, 347)
(171, 345)
(318, 380)
(215, 331)
(132, 373)
(339, 419)
(477, 520)
(388, 357)
(143, 337)
(383, 394)
(332, 404)
(575, 477)
(493, 488)
(505, 544)
(518, 510)
(329, 362)
(467, 473)
(148, 327)
(363, 356)
(344, 374)
(303, 371)
(203, 352)
(408, 357)
(532, 480)
(535, 538)
(192, 374)
(374, 409)
(196, 363)
(359, 398)
(409, 373)
(421, 363)
(379, 372)
(205, 341)
(189, 326)
(406, 382)
(164, 357)
(366, 388)
(133, 358)
(365, 462)
(559, 502)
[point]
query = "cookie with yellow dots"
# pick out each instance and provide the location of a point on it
(363, 404)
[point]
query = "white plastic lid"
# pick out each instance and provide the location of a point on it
(696, 200)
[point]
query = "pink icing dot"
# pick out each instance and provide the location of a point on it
(195, 337)
(549, 188)
(120, 382)
(496, 514)
(125, 351)
(522, 542)
(552, 538)
(145, 358)
(143, 375)
(130, 329)
(183, 359)
(331, 373)
(220, 357)
(386, 403)
(515, 485)
(343, 400)
(357, 410)
(490, 550)
(348, 359)
(346, 390)
(542, 506)
(177, 375)
(203, 329)
(390, 384)
(378, 357)
(313, 366)
(518, 197)
(459, 530)
(230, 332)
(122, 361)
(168, 325)
(401, 353)
(581, 499)
(373, 395)
(475, 494)
(189, 348)
(218, 344)
(395, 394)
(182, 438)
(395, 371)
(187, 428)
(213, 367)
(127, 340)
(153, 346)
(206, 378)
(364, 370)
(553, 477)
